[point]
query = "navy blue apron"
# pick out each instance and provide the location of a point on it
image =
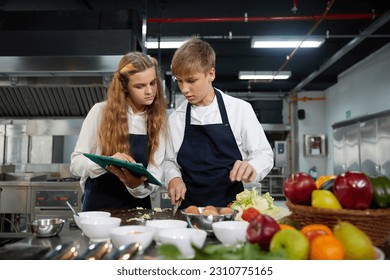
(107, 191)
(206, 156)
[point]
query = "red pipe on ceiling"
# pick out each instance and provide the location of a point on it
(253, 19)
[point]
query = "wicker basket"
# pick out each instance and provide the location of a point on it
(374, 222)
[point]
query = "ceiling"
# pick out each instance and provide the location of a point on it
(56, 57)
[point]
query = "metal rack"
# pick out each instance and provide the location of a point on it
(274, 185)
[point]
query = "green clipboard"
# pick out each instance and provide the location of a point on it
(135, 168)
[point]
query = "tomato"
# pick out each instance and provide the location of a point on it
(249, 214)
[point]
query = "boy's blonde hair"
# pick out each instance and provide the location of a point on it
(193, 56)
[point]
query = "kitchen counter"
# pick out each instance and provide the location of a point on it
(27, 246)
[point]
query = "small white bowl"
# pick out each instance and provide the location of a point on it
(98, 228)
(89, 214)
(230, 232)
(159, 225)
(183, 238)
(125, 235)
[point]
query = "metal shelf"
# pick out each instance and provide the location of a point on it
(274, 185)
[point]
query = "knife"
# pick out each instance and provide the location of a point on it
(177, 204)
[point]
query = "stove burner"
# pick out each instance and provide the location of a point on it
(66, 179)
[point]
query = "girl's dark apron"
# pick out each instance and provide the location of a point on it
(107, 191)
(206, 156)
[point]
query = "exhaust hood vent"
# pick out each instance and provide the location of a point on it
(42, 101)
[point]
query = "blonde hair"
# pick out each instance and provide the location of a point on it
(193, 56)
(113, 132)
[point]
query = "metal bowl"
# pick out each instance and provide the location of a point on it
(47, 227)
(205, 222)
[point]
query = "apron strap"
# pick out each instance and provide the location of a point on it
(221, 106)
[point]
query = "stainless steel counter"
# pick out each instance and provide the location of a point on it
(28, 246)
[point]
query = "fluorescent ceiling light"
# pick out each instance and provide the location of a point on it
(264, 75)
(165, 43)
(286, 42)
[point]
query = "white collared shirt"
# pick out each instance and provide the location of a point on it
(87, 143)
(247, 130)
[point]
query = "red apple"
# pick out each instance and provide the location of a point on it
(261, 229)
(298, 188)
(353, 190)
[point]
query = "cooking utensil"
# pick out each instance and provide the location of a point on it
(176, 207)
(47, 227)
(96, 251)
(65, 251)
(126, 252)
(71, 208)
(205, 222)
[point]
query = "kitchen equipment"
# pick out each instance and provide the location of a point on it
(184, 239)
(88, 214)
(71, 208)
(65, 251)
(176, 207)
(205, 222)
(140, 216)
(160, 225)
(96, 251)
(48, 198)
(47, 227)
(125, 252)
(97, 229)
(230, 232)
(125, 235)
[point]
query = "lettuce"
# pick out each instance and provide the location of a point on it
(251, 198)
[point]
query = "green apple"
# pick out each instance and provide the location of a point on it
(293, 242)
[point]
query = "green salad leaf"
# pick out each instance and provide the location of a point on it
(246, 251)
(251, 198)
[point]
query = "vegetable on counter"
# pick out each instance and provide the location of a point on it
(249, 214)
(247, 251)
(381, 188)
(252, 199)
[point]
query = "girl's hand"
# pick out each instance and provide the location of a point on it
(123, 174)
(124, 157)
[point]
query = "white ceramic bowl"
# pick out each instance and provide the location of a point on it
(183, 238)
(125, 235)
(89, 214)
(159, 225)
(230, 232)
(98, 229)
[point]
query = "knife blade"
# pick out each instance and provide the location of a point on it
(177, 204)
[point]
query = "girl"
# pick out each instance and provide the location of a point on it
(129, 125)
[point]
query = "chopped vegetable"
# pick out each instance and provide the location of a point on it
(251, 198)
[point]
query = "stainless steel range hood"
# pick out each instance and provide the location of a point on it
(55, 86)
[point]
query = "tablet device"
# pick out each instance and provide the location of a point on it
(135, 168)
